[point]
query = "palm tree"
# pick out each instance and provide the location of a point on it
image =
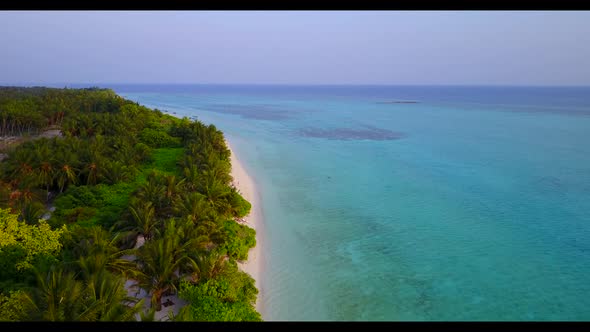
(192, 176)
(160, 262)
(25, 202)
(217, 168)
(100, 296)
(42, 156)
(216, 194)
(173, 186)
(125, 153)
(188, 160)
(109, 292)
(65, 162)
(94, 287)
(116, 171)
(60, 297)
(153, 192)
(65, 174)
(20, 165)
(98, 250)
(45, 176)
(210, 230)
(148, 316)
(31, 212)
(210, 264)
(193, 205)
(92, 173)
(144, 220)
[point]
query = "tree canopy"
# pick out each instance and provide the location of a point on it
(125, 194)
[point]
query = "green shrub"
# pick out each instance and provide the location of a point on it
(78, 196)
(91, 205)
(239, 205)
(238, 240)
(228, 298)
(165, 160)
(158, 139)
(143, 152)
(14, 306)
(12, 278)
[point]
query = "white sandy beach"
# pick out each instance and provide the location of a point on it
(246, 186)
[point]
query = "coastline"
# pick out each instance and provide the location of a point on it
(253, 266)
(246, 186)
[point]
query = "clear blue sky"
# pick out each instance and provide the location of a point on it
(296, 47)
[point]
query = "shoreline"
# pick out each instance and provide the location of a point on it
(247, 188)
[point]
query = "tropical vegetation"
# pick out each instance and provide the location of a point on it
(125, 197)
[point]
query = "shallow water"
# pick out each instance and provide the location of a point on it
(471, 204)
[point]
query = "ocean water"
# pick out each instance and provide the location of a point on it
(473, 203)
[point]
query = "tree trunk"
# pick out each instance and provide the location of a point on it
(157, 299)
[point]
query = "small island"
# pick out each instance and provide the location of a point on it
(111, 211)
(398, 102)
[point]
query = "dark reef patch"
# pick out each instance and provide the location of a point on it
(257, 112)
(348, 134)
(398, 102)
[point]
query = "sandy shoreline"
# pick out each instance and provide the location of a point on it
(246, 186)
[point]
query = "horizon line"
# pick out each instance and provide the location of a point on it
(98, 84)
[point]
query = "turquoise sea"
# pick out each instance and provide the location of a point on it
(473, 203)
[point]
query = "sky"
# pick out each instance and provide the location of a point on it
(296, 47)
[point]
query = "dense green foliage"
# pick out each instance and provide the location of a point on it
(229, 297)
(27, 241)
(121, 175)
(239, 239)
(158, 139)
(28, 110)
(14, 306)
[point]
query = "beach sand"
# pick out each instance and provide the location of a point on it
(246, 186)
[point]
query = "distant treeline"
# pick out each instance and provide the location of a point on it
(121, 173)
(29, 110)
